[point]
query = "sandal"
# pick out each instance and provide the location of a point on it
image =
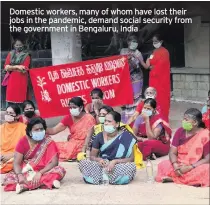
(167, 180)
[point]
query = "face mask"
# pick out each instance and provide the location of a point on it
(149, 96)
(109, 129)
(9, 118)
(147, 112)
(19, 49)
(133, 45)
(187, 125)
(74, 111)
(157, 45)
(38, 136)
(29, 114)
(101, 119)
(94, 100)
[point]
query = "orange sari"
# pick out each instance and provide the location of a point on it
(70, 149)
(10, 135)
(188, 153)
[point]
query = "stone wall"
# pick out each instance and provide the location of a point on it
(191, 86)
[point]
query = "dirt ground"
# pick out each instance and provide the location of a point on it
(75, 191)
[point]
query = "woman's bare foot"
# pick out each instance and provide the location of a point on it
(20, 188)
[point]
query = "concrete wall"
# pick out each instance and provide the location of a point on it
(197, 44)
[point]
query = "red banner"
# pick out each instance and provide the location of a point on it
(54, 86)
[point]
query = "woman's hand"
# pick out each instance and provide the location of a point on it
(177, 169)
(97, 104)
(145, 117)
(6, 157)
(22, 179)
(102, 162)
(111, 165)
(36, 179)
(185, 168)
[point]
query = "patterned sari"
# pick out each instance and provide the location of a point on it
(119, 147)
(188, 153)
(38, 158)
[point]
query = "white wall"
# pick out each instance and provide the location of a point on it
(197, 44)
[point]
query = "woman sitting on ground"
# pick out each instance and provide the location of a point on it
(112, 150)
(11, 131)
(28, 111)
(189, 154)
(150, 92)
(79, 124)
(152, 132)
(36, 161)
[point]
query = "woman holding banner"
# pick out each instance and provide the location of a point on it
(16, 79)
(134, 58)
(79, 124)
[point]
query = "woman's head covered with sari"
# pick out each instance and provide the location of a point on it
(103, 111)
(12, 113)
(36, 129)
(192, 120)
(149, 107)
(76, 107)
(150, 92)
(28, 108)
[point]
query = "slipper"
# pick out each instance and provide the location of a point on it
(167, 180)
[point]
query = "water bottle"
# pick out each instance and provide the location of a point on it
(149, 169)
(105, 177)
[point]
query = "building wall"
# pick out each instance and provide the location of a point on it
(197, 44)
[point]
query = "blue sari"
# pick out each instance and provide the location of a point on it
(119, 147)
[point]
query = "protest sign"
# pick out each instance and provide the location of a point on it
(54, 86)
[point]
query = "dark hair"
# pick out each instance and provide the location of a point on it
(97, 91)
(27, 102)
(152, 102)
(116, 116)
(77, 101)
(35, 121)
(209, 93)
(107, 108)
(196, 115)
(132, 38)
(158, 36)
(16, 108)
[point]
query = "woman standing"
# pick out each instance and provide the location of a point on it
(159, 65)
(134, 58)
(17, 65)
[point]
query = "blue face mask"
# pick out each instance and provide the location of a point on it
(38, 136)
(109, 129)
(147, 112)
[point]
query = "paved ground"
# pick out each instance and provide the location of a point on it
(75, 191)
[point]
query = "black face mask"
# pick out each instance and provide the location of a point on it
(29, 114)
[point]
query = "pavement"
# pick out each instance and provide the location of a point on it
(75, 191)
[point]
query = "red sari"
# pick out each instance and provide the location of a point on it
(206, 118)
(25, 120)
(18, 82)
(160, 79)
(159, 146)
(38, 157)
(188, 153)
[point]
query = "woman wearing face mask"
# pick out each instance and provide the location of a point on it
(36, 161)
(79, 124)
(112, 150)
(28, 112)
(11, 131)
(152, 132)
(17, 65)
(189, 154)
(159, 77)
(150, 92)
(135, 59)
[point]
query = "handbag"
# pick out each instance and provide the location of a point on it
(6, 79)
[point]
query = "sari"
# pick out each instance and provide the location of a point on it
(119, 147)
(188, 153)
(17, 86)
(159, 146)
(37, 158)
(206, 118)
(70, 149)
(159, 78)
(10, 135)
(136, 77)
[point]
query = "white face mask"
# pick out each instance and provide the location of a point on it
(9, 118)
(150, 96)
(133, 45)
(75, 112)
(157, 45)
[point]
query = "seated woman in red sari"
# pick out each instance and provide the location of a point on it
(28, 112)
(35, 162)
(189, 154)
(79, 124)
(152, 132)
